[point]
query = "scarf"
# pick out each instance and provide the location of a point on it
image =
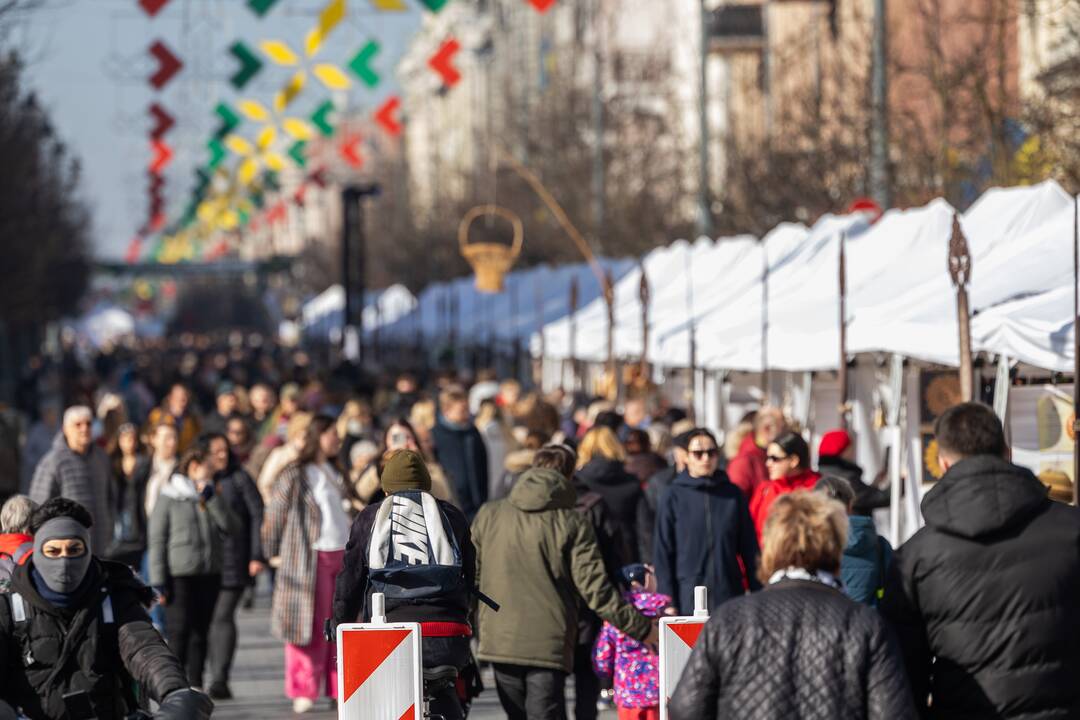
(798, 573)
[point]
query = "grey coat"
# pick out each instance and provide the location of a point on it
(187, 537)
(86, 479)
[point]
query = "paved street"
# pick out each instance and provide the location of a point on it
(257, 677)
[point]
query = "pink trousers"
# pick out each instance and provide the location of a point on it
(309, 668)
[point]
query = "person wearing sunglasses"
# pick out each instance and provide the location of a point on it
(704, 532)
(788, 460)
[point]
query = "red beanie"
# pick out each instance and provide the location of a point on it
(833, 443)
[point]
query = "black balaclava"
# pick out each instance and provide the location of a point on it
(62, 574)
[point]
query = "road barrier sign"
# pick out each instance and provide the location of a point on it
(678, 635)
(380, 669)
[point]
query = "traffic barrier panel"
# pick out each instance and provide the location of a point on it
(380, 669)
(678, 635)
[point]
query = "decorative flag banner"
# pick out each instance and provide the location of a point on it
(134, 250)
(168, 65)
(390, 5)
(380, 676)
(329, 75)
(250, 65)
(261, 7)
(542, 6)
(163, 155)
(257, 155)
(361, 64)
(278, 213)
(296, 152)
(229, 120)
(330, 17)
(152, 7)
(350, 151)
(386, 116)
(163, 121)
(442, 62)
(434, 5)
(321, 118)
(217, 153)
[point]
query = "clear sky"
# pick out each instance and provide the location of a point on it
(88, 62)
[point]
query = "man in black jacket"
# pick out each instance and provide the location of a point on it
(460, 449)
(74, 634)
(984, 597)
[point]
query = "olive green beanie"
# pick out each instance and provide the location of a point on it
(405, 471)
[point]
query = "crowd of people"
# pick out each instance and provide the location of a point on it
(556, 529)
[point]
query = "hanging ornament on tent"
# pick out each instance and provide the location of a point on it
(490, 260)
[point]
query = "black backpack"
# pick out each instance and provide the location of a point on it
(413, 557)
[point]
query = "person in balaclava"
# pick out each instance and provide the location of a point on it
(70, 618)
(381, 545)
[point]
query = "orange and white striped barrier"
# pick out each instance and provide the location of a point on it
(678, 635)
(380, 669)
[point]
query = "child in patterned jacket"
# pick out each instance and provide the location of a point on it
(634, 666)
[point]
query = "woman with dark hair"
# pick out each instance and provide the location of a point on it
(788, 461)
(307, 525)
(399, 435)
(130, 474)
(641, 461)
(242, 555)
(800, 648)
(187, 540)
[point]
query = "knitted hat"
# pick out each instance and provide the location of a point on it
(406, 470)
(834, 443)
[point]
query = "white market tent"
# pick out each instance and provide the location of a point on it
(530, 299)
(900, 302)
(324, 315)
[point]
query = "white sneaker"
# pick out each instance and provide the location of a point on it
(302, 705)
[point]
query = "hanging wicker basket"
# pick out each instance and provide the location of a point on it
(490, 261)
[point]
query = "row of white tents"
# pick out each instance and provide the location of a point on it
(744, 304)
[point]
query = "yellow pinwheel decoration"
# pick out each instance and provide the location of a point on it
(331, 76)
(264, 152)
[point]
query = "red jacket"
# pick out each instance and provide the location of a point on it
(767, 492)
(10, 542)
(747, 469)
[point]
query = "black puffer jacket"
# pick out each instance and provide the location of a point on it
(55, 652)
(798, 649)
(241, 496)
(867, 497)
(622, 493)
(984, 598)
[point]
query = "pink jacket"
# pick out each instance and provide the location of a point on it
(634, 667)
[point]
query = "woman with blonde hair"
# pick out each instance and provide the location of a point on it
(601, 467)
(281, 456)
(800, 648)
